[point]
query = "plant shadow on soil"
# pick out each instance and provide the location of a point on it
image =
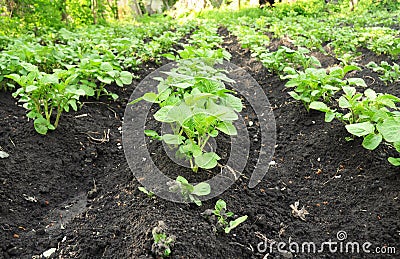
(343, 186)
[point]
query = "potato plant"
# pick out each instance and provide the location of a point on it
(319, 84)
(188, 191)
(370, 115)
(193, 100)
(388, 73)
(223, 216)
(44, 93)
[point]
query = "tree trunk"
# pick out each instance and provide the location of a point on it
(147, 6)
(135, 8)
(166, 5)
(94, 11)
(353, 4)
(63, 9)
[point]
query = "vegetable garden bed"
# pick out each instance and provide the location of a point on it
(72, 189)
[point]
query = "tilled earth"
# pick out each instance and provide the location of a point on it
(73, 190)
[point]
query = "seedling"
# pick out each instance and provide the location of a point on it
(388, 73)
(188, 191)
(162, 242)
(223, 217)
(149, 194)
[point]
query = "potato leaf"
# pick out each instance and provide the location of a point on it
(360, 129)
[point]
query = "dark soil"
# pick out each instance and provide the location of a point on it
(87, 203)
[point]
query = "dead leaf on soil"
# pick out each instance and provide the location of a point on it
(299, 213)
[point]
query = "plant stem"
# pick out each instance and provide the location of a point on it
(205, 142)
(46, 110)
(59, 111)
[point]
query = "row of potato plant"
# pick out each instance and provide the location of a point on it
(332, 31)
(54, 71)
(373, 116)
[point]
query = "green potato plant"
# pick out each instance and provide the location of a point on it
(91, 71)
(188, 191)
(220, 211)
(43, 93)
(319, 84)
(193, 100)
(162, 243)
(370, 115)
(387, 72)
(149, 194)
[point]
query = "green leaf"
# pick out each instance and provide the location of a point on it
(180, 113)
(294, 95)
(357, 82)
(73, 104)
(196, 200)
(190, 148)
(181, 179)
(150, 97)
(227, 128)
(213, 133)
(394, 161)
(173, 139)
(136, 100)
(233, 102)
(349, 90)
(49, 79)
(207, 160)
(88, 90)
(223, 113)
(219, 206)
(118, 81)
(31, 88)
(153, 134)
(182, 85)
(319, 106)
(201, 189)
(169, 56)
(390, 130)
(193, 99)
(106, 66)
(42, 125)
(329, 116)
(233, 224)
(106, 80)
(14, 77)
(360, 129)
(349, 68)
(292, 83)
(372, 141)
(343, 102)
(163, 114)
(371, 94)
(397, 146)
(114, 96)
(126, 77)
